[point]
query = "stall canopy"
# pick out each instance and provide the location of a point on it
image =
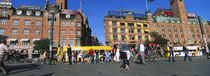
(24, 39)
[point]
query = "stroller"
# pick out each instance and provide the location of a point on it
(24, 56)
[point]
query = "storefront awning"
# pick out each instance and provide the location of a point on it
(139, 23)
(146, 30)
(12, 39)
(24, 39)
(35, 39)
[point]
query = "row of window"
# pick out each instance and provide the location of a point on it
(131, 37)
(15, 31)
(17, 22)
(114, 23)
(37, 31)
(63, 23)
(20, 12)
(131, 30)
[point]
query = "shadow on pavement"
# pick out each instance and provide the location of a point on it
(50, 74)
(22, 68)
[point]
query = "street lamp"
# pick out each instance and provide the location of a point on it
(52, 9)
(203, 35)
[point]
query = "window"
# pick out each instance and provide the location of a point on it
(63, 23)
(13, 42)
(3, 21)
(107, 37)
(27, 22)
(19, 12)
(71, 32)
(78, 32)
(123, 37)
(25, 42)
(139, 30)
(37, 31)
(63, 41)
(15, 22)
(140, 37)
(68, 16)
(171, 40)
(115, 30)
(146, 31)
(138, 25)
(38, 13)
(131, 24)
(187, 32)
(145, 25)
(38, 22)
(131, 30)
(49, 31)
(14, 31)
(4, 12)
(71, 41)
(169, 28)
(28, 12)
(26, 31)
(114, 23)
(146, 37)
(2, 31)
(72, 23)
(77, 41)
(78, 24)
(122, 30)
(186, 27)
(122, 24)
(131, 37)
(115, 37)
(63, 32)
(67, 23)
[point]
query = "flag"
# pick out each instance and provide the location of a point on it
(150, 0)
(82, 2)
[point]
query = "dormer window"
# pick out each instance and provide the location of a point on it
(68, 15)
(38, 13)
(28, 12)
(19, 12)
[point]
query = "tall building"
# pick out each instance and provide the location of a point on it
(26, 24)
(126, 27)
(175, 24)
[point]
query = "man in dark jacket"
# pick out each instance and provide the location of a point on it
(69, 51)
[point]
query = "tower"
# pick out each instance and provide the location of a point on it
(178, 7)
(62, 2)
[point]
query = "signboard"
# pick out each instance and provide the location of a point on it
(30, 7)
(69, 12)
(168, 13)
(191, 15)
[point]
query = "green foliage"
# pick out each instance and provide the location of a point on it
(42, 45)
(158, 39)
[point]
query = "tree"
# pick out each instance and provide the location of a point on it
(158, 39)
(42, 45)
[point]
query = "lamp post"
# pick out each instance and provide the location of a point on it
(52, 9)
(203, 35)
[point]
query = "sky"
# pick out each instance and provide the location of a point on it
(95, 10)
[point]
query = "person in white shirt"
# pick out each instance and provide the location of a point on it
(3, 49)
(141, 52)
(117, 55)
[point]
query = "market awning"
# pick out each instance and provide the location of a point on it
(24, 39)
(12, 39)
(35, 39)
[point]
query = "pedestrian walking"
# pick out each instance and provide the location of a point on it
(171, 50)
(117, 55)
(92, 56)
(3, 49)
(186, 51)
(108, 55)
(128, 55)
(97, 56)
(141, 52)
(69, 51)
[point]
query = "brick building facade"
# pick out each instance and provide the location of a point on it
(26, 24)
(174, 24)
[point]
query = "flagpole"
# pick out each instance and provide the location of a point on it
(80, 5)
(147, 5)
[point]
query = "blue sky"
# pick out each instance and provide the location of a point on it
(96, 9)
